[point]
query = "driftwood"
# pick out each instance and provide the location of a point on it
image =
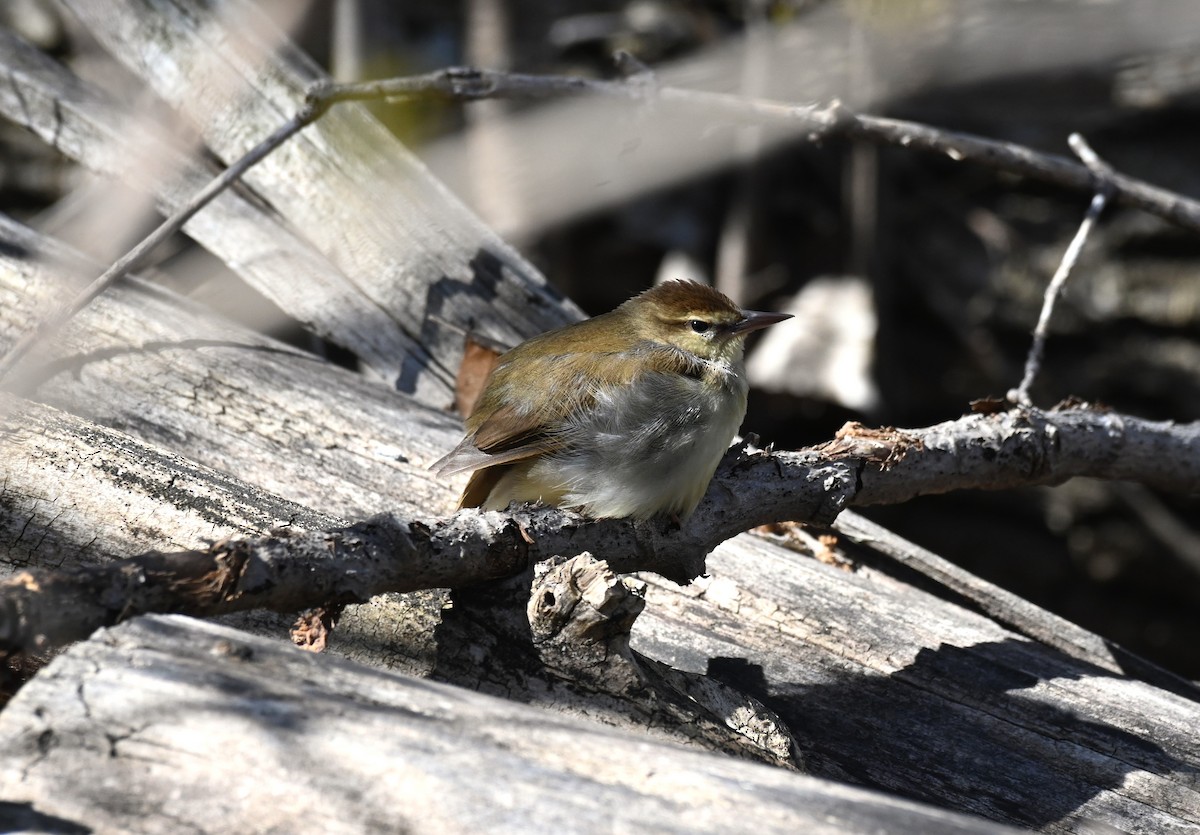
(866, 676)
(165, 703)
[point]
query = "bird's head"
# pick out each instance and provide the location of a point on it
(697, 319)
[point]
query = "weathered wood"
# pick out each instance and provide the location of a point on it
(345, 183)
(166, 724)
(877, 680)
(1010, 610)
(561, 631)
(168, 372)
(75, 493)
(907, 692)
(395, 553)
(146, 362)
(807, 650)
(267, 253)
(851, 658)
(864, 658)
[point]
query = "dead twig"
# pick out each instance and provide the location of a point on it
(42, 609)
(138, 255)
(462, 84)
(1104, 190)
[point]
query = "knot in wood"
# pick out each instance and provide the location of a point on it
(580, 602)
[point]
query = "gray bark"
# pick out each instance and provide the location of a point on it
(265, 738)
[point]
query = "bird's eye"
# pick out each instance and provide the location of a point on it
(699, 325)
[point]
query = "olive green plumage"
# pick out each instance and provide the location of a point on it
(625, 414)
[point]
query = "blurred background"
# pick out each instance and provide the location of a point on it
(916, 279)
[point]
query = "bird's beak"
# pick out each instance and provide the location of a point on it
(756, 320)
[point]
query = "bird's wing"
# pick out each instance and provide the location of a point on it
(506, 428)
(467, 456)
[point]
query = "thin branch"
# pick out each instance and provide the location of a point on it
(138, 255)
(464, 84)
(461, 84)
(1033, 362)
(752, 487)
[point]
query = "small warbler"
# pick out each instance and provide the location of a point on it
(625, 414)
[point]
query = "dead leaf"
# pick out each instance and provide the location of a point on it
(478, 361)
(314, 626)
(990, 405)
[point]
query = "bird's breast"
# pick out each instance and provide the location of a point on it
(648, 447)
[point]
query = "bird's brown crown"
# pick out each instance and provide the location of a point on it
(687, 297)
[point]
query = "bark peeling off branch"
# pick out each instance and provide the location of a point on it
(284, 573)
(1026, 447)
(752, 487)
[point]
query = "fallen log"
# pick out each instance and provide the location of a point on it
(266, 738)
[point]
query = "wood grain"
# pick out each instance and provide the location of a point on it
(266, 738)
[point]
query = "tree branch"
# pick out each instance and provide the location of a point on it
(752, 487)
(137, 256)
(464, 84)
(1033, 362)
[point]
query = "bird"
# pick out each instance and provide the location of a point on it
(626, 414)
